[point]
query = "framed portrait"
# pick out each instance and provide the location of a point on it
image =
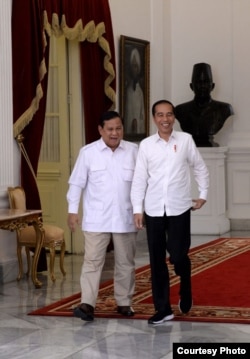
(134, 87)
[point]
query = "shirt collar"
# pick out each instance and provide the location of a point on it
(102, 144)
(158, 138)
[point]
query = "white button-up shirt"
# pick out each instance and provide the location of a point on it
(104, 177)
(162, 181)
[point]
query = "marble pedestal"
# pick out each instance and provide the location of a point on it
(211, 219)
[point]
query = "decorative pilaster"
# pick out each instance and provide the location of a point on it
(6, 113)
(8, 162)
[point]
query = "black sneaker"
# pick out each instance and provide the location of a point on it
(85, 312)
(126, 310)
(161, 317)
(185, 302)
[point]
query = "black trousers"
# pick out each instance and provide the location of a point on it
(168, 234)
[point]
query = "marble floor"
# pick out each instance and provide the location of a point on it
(23, 336)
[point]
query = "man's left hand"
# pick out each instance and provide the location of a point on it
(198, 203)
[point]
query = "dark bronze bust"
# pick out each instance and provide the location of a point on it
(203, 117)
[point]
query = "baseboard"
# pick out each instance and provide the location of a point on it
(8, 270)
(209, 225)
(240, 224)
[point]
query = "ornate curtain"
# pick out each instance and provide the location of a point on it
(33, 22)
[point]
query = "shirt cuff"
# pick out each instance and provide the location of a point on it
(72, 208)
(137, 209)
(203, 195)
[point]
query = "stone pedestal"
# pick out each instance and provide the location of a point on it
(211, 219)
(238, 181)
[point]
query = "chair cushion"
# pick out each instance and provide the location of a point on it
(53, 234)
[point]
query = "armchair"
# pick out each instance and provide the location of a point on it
(26, 237)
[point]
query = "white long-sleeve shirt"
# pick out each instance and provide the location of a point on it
(104, 177)
(162, 181)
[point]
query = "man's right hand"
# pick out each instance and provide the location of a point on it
(138, 219)
(73, 221)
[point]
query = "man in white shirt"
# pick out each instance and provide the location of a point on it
(103, 172)
(161, 188)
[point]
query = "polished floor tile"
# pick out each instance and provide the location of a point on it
(28, 337)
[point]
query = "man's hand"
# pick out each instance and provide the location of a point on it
(73, 221)
(198, 203)
(138, 219)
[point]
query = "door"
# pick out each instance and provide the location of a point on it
(63, 136)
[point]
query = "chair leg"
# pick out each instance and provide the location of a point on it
(52, 262)
(20, 262)
(62, 253)
(28, 260)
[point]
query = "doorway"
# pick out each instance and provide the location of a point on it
(63, 136)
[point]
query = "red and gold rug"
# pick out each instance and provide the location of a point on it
(220, 282)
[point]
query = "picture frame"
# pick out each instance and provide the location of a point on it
(134, 87)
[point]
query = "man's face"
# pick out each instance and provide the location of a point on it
(202, 85)
(135, 67)
(164, 119)
(112, 132)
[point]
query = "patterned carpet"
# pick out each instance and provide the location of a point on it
(220, 283)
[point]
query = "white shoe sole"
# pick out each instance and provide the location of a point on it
(165, 319)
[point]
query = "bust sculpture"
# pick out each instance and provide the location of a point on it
(203, 117)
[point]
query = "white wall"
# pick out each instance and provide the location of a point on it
(241, 61)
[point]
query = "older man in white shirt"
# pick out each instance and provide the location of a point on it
(103, 172)
(162, 188)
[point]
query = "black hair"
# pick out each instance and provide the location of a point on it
(109, 115)
(162, 102)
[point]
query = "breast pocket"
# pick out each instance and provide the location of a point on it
(97, 174)
(128, 173)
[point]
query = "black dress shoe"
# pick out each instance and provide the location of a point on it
(185, 302)
(125, 310)
(85, 312)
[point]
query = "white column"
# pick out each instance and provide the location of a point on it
(212, 219)
(8, 166)
(6, 113)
